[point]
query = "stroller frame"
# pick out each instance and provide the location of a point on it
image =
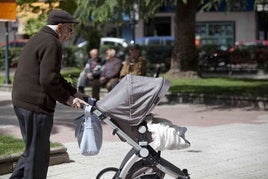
(141, 152)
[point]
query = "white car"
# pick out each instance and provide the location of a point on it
(113, 41)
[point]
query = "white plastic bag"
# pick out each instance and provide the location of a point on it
(91, 141)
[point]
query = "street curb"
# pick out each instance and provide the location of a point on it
(58, 155)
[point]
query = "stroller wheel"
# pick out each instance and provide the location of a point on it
(107, 173)
(144, 170)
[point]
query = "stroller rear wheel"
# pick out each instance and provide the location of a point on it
(144, 170)
(107, 173)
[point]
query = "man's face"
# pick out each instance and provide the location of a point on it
(134, 53)
(65, 31)
(108, 55)
(94, 54)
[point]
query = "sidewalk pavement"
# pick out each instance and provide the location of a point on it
(226, 142)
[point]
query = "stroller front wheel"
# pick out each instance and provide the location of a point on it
(107, 173)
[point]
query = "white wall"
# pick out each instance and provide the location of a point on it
(245, 23)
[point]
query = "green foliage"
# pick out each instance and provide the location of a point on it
(72, 57)
(13, 57)
(10, 145)
(211, 86)
(230, 4)
(93, 36)
(21, 2)
(33, 25)
(67, 72)
(69, 56)
(71, 74)
(221, 86)
(68, 5)
(104, 11)
(157, 55)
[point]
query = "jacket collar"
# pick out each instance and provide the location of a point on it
(47, 29)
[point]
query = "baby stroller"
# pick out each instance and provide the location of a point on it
(126, 109)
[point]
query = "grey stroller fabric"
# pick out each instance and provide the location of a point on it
(133, 98)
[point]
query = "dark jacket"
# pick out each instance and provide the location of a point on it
(94, 66)
(112, 68)
(38, 83)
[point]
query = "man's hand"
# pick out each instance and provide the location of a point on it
(76, 102)
(102, 80)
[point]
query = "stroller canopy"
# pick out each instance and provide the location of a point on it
(133, 98)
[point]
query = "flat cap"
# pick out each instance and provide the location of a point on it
(57, 16)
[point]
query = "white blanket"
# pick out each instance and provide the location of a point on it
(165, 135)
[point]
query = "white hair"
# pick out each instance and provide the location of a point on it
(112, 52)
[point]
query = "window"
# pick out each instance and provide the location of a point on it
(216, 33)
(158, 26)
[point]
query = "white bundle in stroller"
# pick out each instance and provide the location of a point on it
(165, 135)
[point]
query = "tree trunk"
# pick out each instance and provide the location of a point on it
(184, 51)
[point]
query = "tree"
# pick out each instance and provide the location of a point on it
(184, 52)
(97, 12)
(38, 15)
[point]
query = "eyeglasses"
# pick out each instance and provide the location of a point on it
(70, 29)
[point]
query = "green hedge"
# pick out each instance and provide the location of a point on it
(13, 57)
(72, 57)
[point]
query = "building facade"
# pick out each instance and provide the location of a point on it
(221, 28)
(215, 27)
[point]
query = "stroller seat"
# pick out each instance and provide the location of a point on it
(160, 133)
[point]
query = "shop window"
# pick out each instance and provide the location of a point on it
(216, 33)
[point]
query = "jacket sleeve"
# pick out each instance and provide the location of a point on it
(143, 67)
(87, 66)
(125, 69)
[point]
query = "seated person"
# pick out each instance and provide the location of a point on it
(135, 64)
(91, 74)
(111, 70)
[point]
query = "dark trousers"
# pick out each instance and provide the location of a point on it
(95, 84)
(35, 129)
(95, 89)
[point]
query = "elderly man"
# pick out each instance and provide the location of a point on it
(135, 64)
(91, 74)
(111, 70)
(37, 86)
